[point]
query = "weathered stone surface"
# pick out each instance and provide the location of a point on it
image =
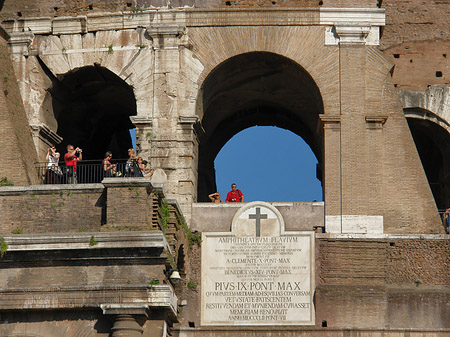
(257, 274)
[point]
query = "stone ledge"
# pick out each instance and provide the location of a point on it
(192, 17)
(72, 241)
(383, 236)
(31, 298)
(49, 189)
(127, 182)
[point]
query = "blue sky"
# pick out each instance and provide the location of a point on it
(268, 164)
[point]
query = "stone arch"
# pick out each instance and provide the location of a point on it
(256, 88)
(212, 46)
(125, 53)
(92, 106)
(431, 136)
(428, 116)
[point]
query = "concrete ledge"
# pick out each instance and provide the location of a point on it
(125, 296)
(70, 241)
(127, 182)
(298, 216)
(384, 236)
(49, 189)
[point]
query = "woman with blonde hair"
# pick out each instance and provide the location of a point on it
(131, 167)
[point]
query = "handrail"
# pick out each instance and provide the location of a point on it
(84, 172)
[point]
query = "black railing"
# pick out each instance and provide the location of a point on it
(84, 172)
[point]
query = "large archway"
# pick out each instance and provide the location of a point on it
(257, 88)
(432, 141)
(92, 106)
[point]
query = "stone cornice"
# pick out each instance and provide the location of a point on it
(104, 296)
(76, 241)
(157, 19)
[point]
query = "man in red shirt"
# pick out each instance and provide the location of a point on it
(234, 195)
(71, 158)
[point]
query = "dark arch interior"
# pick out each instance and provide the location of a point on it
(92, 106)
(255, 89)
(433, 144)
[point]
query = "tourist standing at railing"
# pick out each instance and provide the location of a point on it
(53, 173)
(109, 170)
(71, 158)
(131, 167)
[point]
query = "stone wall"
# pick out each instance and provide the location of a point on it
(16, 146)
(47, 208)
(416, 39)
(378, 283)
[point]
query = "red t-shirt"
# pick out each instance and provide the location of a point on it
(234, 196)
(71, 161)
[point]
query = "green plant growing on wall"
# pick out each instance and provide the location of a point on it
(17, 231)
(3, 247)
(5, 182)
(110, 49)
(5, 79)
(194, 238)
(192, 285)
(153, 282)
(164, 214)
(92, 241)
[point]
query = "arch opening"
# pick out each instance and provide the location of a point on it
(255, 89)
(275, 165)
(92, 106)
(433, 143)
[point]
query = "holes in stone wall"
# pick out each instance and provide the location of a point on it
(274, 2)
(396, 56)
(228, 3)
(392, 244)
(320, 3)
(438, 73)
(56, 9)
(191, 324)
(91, 7)
(19, 14)
(324, 324)
(129, 4)
(444, 55)
(395, 85)
(410, 61)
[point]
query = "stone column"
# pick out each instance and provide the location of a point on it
(332, 168)
(128, 203)
(174, 143)
(128, 318)
(126, 326)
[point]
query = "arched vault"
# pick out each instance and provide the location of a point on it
(257, 88)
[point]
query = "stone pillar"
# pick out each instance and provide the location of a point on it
(128, 202)
(128, 318)
(174, 144)
(126, 326)
(332, 168)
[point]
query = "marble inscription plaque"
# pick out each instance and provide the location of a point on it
(258, 280)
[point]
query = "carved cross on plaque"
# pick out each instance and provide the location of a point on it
(258, 216)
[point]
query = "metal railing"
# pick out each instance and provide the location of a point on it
(84, 172)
